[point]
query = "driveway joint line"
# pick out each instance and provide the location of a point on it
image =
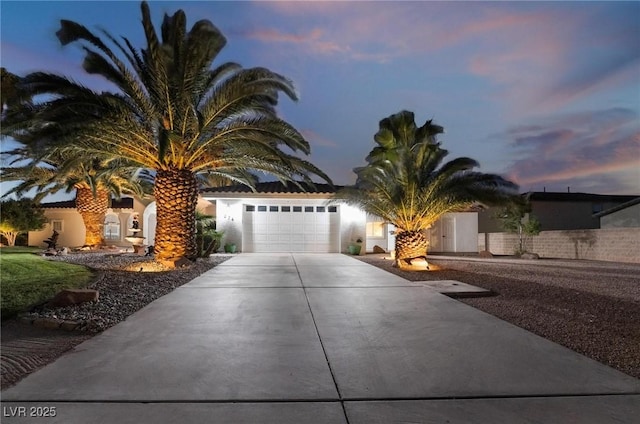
(324, 351)
(331, 400)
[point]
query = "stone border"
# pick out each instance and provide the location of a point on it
(55, 323)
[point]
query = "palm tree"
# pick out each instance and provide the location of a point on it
(94, 180)
(173, 114)
(10, 94)
(406, 183)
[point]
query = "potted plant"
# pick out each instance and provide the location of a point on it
(355, 248)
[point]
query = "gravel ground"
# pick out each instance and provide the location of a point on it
(123, 290)
(590, 307)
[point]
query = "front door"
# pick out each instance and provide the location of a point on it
(448, 234)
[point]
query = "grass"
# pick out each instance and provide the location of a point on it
(27, 279)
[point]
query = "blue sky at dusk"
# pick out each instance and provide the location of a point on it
(544, 93)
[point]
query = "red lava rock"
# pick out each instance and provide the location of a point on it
(69, 297)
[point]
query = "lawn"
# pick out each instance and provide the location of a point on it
(27, 279)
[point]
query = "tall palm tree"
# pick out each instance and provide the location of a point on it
(406, 183)
(173, 114)
(94, 180)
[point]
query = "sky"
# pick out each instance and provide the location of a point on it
(546, 94)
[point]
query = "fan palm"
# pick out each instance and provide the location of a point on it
(406, 183)
(173, 114)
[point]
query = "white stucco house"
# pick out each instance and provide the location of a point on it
(279, 218)
(66, 220)
(273, 218)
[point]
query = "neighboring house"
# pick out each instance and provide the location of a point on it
(66, 220)
(560, 211)
(626, 215)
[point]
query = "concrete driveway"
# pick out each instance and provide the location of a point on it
(314, 338)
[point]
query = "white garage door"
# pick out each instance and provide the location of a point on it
(290, 228)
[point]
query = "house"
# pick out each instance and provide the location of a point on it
(64, 218)
(279, 218)
(625, 215)
(273, 218)
(559, 211)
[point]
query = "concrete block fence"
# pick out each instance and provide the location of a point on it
(613, 244)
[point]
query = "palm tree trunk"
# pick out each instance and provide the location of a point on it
(409, 245)
(93, 210)
(176, 193)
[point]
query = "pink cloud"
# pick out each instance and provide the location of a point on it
(316, 139)
(273, 35)
(579, 147)
(312, 42)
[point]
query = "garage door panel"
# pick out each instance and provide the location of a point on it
(312, 229)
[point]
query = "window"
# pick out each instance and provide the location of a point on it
(112, 227)
(308, 208)
(297, 208)
(273, 209)
(375, 229)
(249, 208)
(262, 208)
(285, 209)
(56, 225)
(320, 208)
(333, 209)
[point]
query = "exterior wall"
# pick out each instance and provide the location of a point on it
(71, 235)
(386, 242)
(612, 244)
(624, 218)
(461, 232)
(73, 230)
(229, 220)
(353, 225)
(566, 215)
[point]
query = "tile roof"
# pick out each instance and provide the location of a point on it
(124, 203)
(274, 187)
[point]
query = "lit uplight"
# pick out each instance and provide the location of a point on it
(147, 266)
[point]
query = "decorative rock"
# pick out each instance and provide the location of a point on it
(68, 297)
(528, 255)
(485, 254)
(50, 323)
(419, 262)
(69, 325)
(378, 249)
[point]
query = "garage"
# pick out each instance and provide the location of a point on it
(290, 227)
